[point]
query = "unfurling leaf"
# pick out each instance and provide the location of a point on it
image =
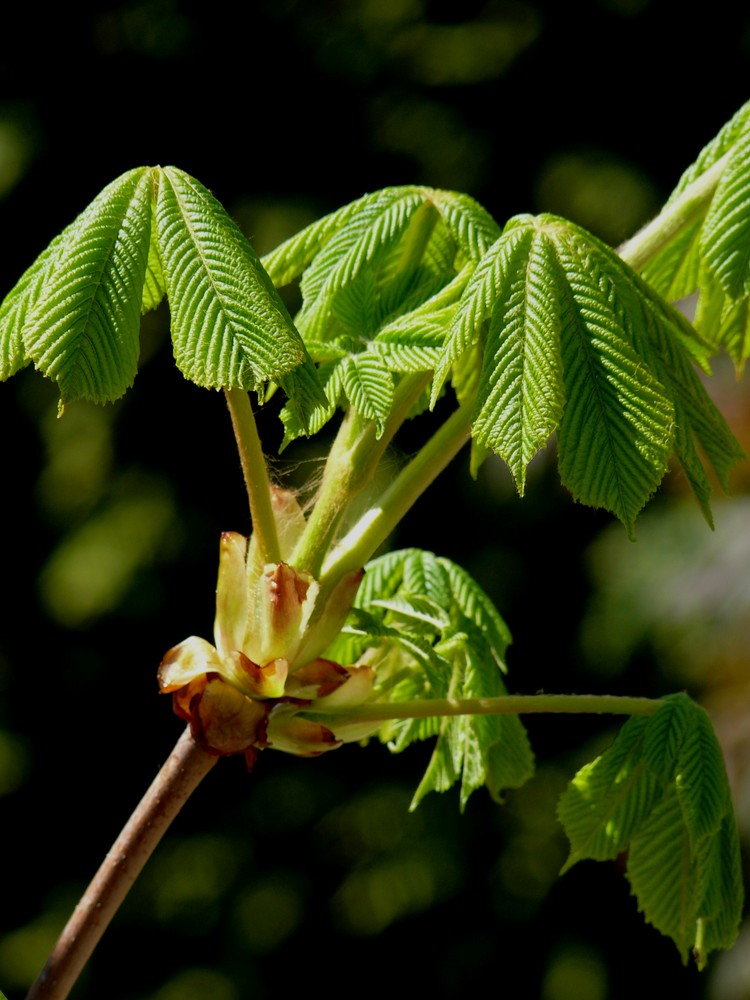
(434, 633)
(379, 281)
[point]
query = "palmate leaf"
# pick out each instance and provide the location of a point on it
(378, 276)
(660, 792)
(434, 633)
(573, 340)
(76, 311)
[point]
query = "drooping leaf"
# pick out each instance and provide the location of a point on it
(77, 309)
(471, 225)
(609, 798)
(17, 306)
(721, 912)
(368, 243)
(661, 793)
(675, 271)
(520, 399)
(329, 374)
(477, 302)
(229, 327)
(573, 340)
(616, 432)
(662, 874)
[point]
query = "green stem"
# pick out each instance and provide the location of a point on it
(256, 475)
(676, 216)
(183, 771)
(351, 464)
(522, 704)
(373, 528)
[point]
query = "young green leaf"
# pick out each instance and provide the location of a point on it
(520, 399)
(709, 245)
(660, 792)
(573, 340)
(229, 327)
(609, 798)
(368, 386)
(77, 309)
(725, 236)
(434, 633)
(674, 271)
(379, 281)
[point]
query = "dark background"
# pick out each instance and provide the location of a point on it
(313, 875)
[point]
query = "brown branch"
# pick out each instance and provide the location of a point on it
(183, 771)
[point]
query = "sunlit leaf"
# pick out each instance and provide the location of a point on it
(725, 236)
(229, 327)
(434, 633)
(660, 792)
(80, 303)
(520, 400)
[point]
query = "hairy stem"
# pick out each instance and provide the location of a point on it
(673, 218)
(351, 464)
(523, 704)
(183, 771)
(374, 527)
(256, 475)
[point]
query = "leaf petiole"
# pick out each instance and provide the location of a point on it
(378, 522)
(351, 464)
(525, 704)
(256, 475)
